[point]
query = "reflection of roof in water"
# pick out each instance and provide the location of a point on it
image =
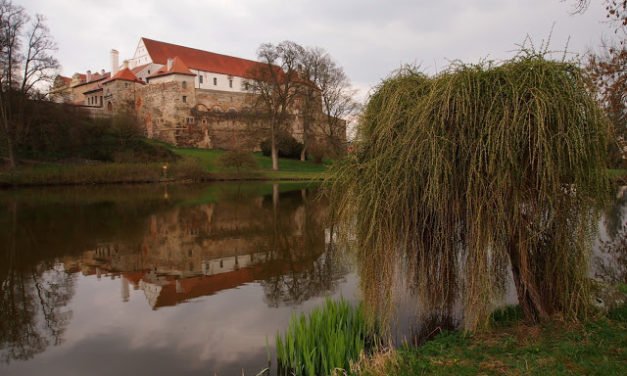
(171, 291)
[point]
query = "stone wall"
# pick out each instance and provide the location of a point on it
(175, 112)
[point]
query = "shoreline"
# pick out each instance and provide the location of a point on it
(129, 173)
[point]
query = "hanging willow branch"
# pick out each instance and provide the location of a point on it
(488, 163)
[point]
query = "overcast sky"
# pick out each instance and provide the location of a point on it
(368, 38)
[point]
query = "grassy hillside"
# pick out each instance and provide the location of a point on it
(142, 160)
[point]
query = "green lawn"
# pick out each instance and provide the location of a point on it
(288, 168)
(595, 347)
(617, 173)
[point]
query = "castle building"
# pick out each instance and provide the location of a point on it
(183, 96)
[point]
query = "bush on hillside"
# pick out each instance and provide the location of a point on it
(237, 159)
(60, 132)
(287, 145)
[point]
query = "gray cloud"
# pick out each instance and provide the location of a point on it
(368, 38)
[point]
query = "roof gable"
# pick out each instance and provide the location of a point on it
(124, 75)
(178, 67)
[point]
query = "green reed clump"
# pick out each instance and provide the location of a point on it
(483, 165)
(331, 337)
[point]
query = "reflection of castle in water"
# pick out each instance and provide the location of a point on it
(196, 251)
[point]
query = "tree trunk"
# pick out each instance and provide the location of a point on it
(528, 296)
(12, 155)
(303, 153)
(275, 157)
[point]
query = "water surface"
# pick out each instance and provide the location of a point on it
(192, 279)
(160, 280)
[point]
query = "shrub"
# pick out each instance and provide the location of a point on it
(237, 159)
(333, 337)
(318, 150)
(287, 145)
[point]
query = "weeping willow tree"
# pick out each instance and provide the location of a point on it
(489, 164)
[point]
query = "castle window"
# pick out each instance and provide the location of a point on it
(215, 81)
(184, 99)
(200, 78)
(184, 86)
(126, 84)
(230, 83)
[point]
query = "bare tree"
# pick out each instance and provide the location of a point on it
(607, 68)
(26, 62)
(275, 85)
(333, 92)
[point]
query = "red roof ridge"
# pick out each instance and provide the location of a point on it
(178, 67)
(124, 75)
(199, 59)
(94, 78)
(199, 50)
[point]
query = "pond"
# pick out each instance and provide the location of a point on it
(186, 279)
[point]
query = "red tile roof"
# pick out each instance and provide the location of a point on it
(198, 59)
(124, 75)
(66, 80)
(178, 67)
(94, 77)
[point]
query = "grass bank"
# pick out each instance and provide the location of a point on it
(618, 175)
(191, 165)
(289, 169)
(511, 347)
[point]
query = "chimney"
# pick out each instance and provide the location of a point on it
(125, 64)
(169, 66)
(88, 75)
(115, 62)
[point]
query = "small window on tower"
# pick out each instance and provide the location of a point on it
(184, 85)
(184, 99)
(215, 81)
(199, 79)
(230, 83)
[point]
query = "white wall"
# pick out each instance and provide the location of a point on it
(140, 57)
(222, 81)
(151, 68)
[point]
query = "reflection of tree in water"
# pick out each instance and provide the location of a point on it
(611, 262)
(32, 297)
(296, 243)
